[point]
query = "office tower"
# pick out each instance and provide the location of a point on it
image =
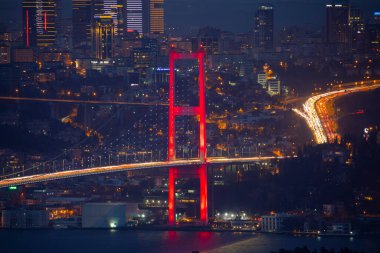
(5, 54)
(63, 26)
(373, 34)
(156, 17)
(135, 15)
(145, 16)
(59, 17)
(97, 7)
(121, 18)
(83, 15)
(82, 18)
(39, 24)
(337, 23)
(115, 9)
(357, 30)
(376, 16)
(208, 38)
(103, 37)
(263, 27)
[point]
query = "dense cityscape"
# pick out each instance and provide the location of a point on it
(116, 119)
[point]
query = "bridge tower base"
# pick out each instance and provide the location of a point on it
(201, 174)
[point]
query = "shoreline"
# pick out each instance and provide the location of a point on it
(203, 229)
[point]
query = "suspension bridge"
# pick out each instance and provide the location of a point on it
(178, 167)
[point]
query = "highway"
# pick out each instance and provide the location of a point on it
(38, 178)
(78, 101)
(319, 114)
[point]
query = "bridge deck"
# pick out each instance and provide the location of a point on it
(38, 178)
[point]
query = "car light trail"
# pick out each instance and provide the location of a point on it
(317, 117)
(38, 178)
(78, 101)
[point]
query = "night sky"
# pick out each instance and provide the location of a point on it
(229, 15)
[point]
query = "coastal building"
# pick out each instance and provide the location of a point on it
(21, 218)
(272, 223)
(104, 215)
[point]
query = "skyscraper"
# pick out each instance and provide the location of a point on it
(121, 18)
(145, 16)
(156, 17)
(135, 15)
(63, 26)
(103, 37)
(59, 22)
(337, 23)
(357, 30)
(39, 23)
(263, 27)
(115, 9)
(209, 39)
(373, 34)
(82, 18)
(84, 12)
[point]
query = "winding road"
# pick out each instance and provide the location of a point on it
(319, 114)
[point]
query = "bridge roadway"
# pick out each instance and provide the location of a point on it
(317, 116)
(79, 101)
(38, 178)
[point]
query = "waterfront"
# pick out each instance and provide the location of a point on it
(350, 120)
(168, 241)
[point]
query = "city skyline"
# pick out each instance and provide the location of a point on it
(145, 118)
(235, 16)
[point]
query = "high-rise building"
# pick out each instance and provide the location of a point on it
(97, 7)
(145, 16)
(121, 18)
(103, 37)
(373, 34)
(59, 23)
(156, 17)
(59, 8)
(357, 30)
(114, 8)
(39, 24)
(376, 16)
(263, 27)
(208, 38)
(337, 23)
(82, 17)
(135, 15)
(5, 54)
(84, 12)
(22, 55)
(63, 26)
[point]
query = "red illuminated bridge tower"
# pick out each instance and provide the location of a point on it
(200, 112)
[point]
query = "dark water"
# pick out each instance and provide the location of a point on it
(99, 241)
(354, 124)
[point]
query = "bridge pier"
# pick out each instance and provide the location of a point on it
(201, 174)
(171, 197)
(203, 196)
